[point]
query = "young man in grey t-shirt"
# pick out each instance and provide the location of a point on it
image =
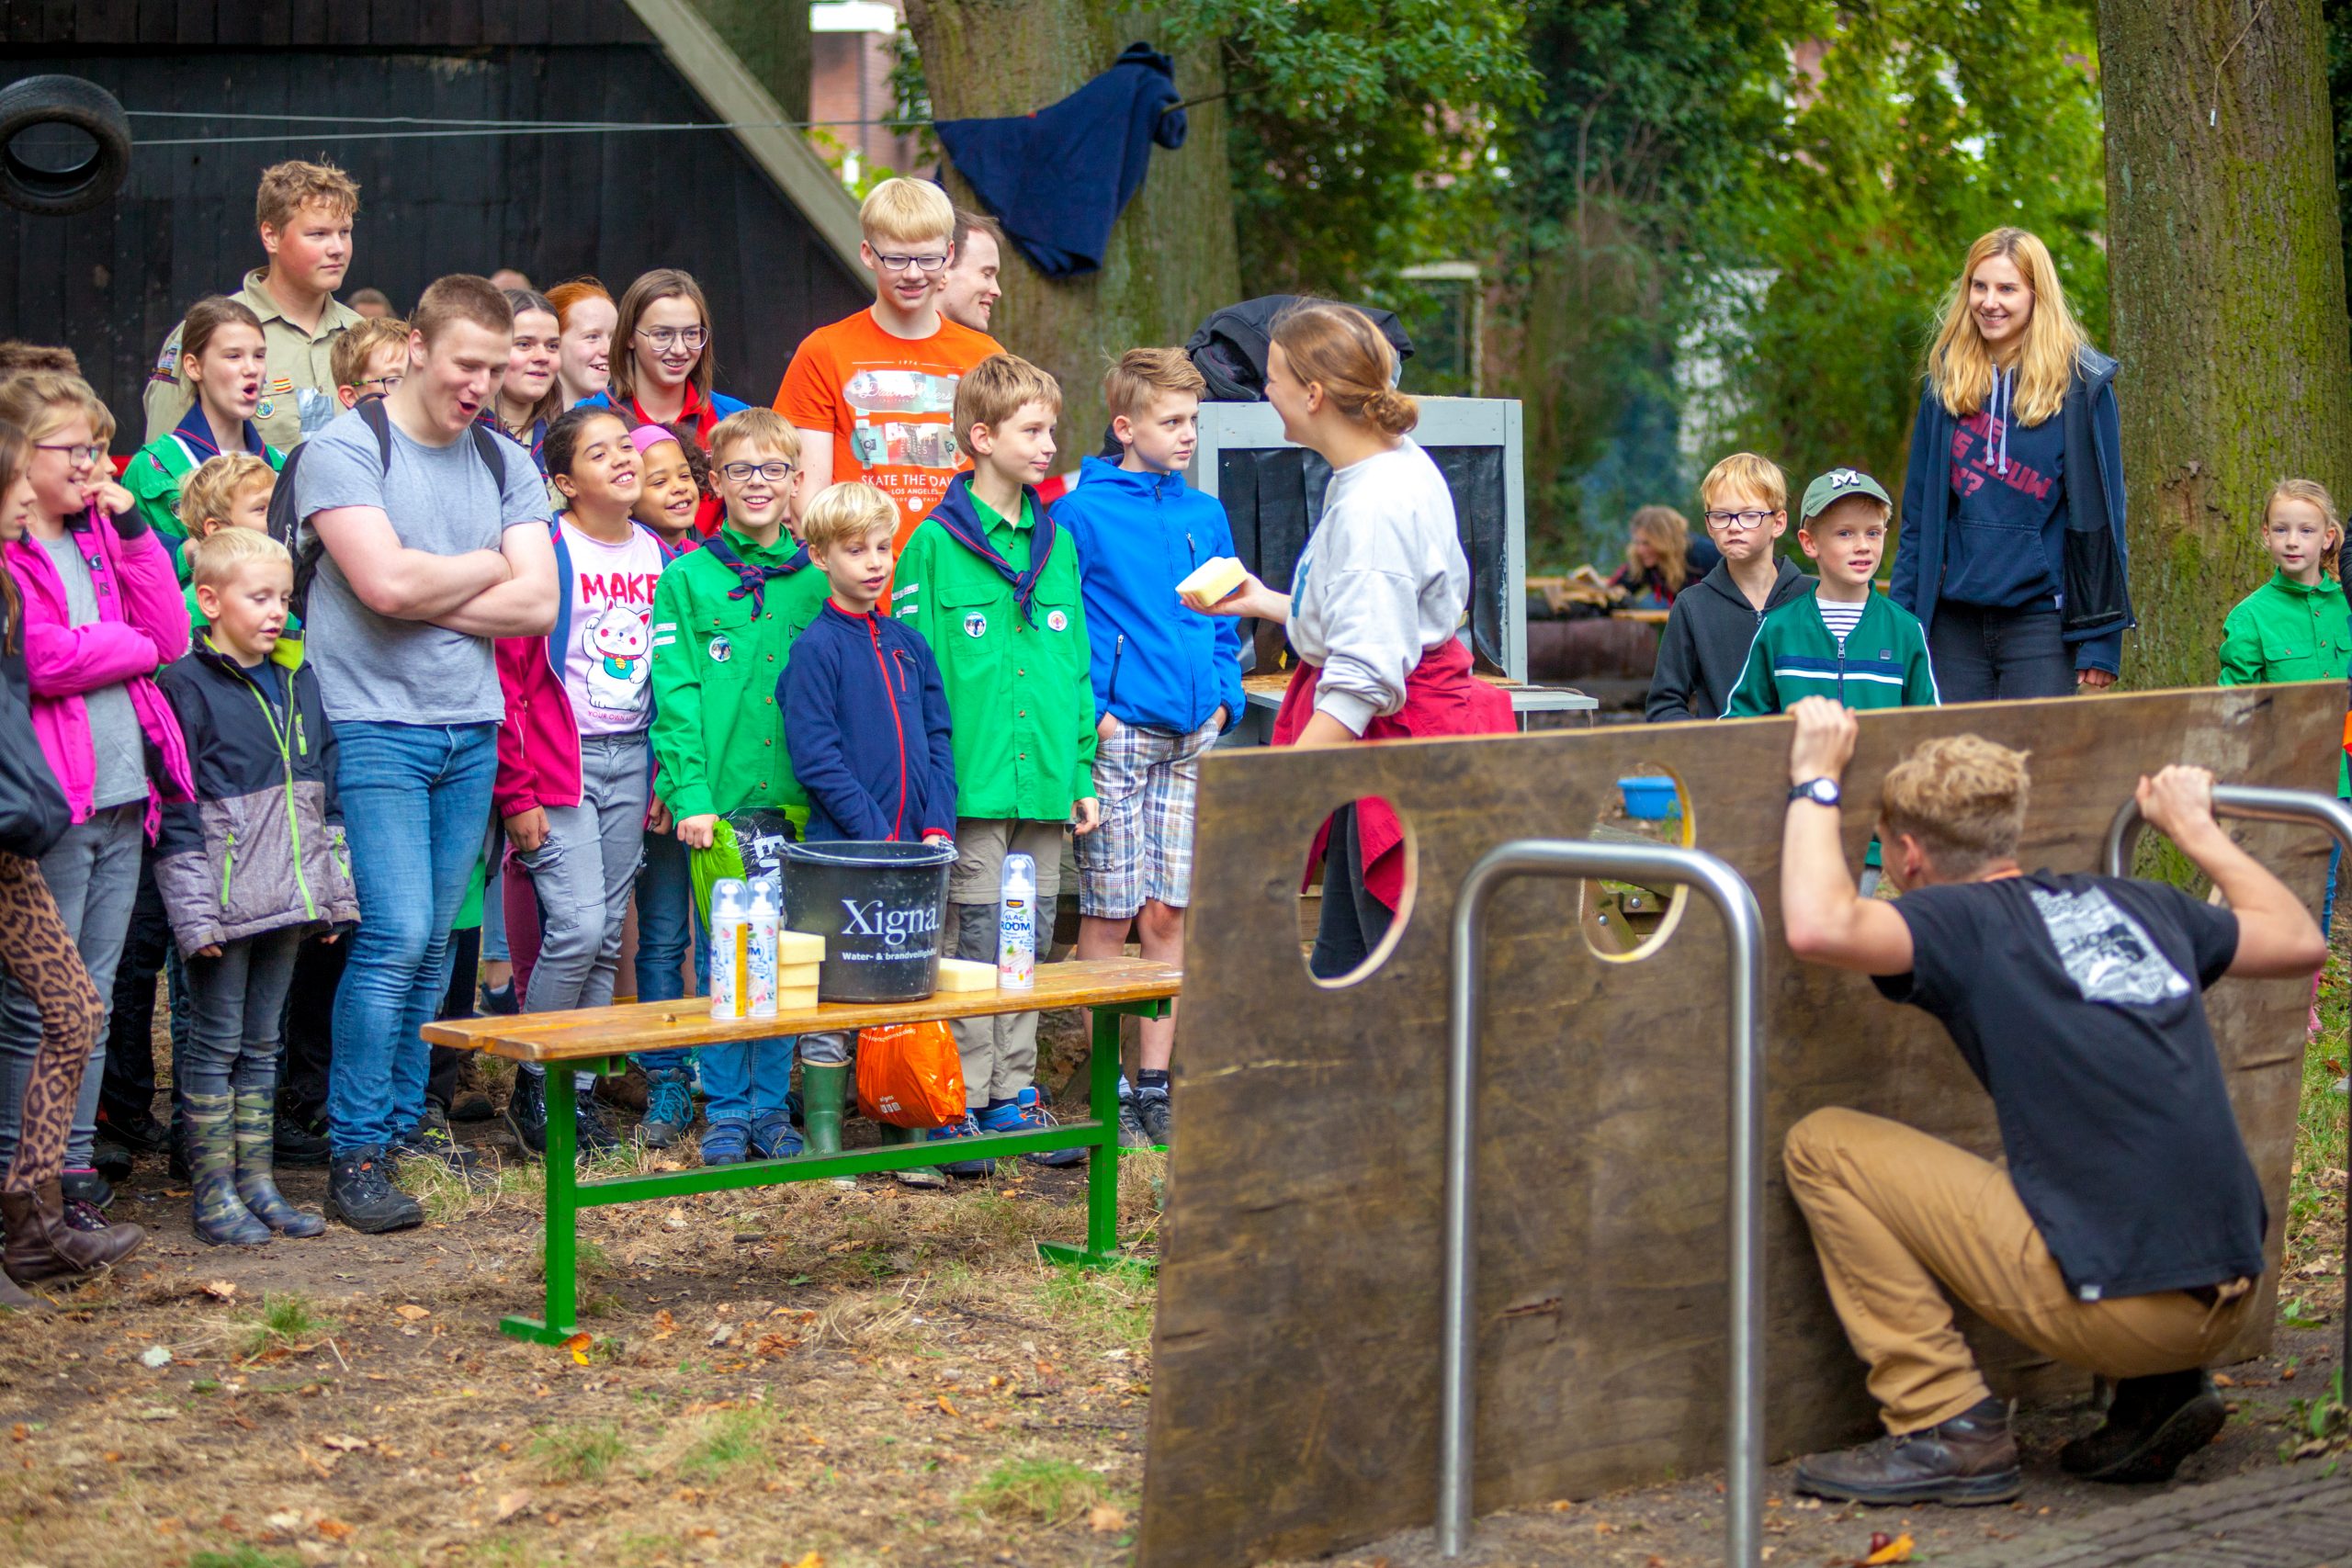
(429, 555)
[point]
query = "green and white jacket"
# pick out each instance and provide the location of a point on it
(1883, 664)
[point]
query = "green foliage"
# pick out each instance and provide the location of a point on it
(1364, 131)
(1043, 1491)
(731, 1439)
(1909, 128)
(578, 1454)
(285, 1319)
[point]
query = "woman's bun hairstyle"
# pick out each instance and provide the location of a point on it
(1337, 347)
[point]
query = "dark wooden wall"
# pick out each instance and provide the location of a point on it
(111, 283)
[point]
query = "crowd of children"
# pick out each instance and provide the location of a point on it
(503, 616)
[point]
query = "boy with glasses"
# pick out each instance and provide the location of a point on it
(874, 395)
(1715, 620)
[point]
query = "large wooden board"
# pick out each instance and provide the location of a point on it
(1295, 1356)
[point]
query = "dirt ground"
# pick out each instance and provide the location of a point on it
(803, 1376)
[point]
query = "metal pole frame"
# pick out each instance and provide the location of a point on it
(1744, 928)
(2256, 804)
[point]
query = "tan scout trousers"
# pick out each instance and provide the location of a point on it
(1894, 1211)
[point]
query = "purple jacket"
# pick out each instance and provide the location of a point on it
(142, 626)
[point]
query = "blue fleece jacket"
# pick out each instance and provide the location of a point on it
(1155, 664)
(1981, 494)
(866, 724)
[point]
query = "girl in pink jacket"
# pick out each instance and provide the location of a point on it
(103, 613)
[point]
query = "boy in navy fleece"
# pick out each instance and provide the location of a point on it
(865, 725)
(1167, 684)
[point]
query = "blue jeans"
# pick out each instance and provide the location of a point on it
(746, 1081)
(1983, 655)
(664, 922)
(414, 799)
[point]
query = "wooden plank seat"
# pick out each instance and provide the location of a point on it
(599, 1040)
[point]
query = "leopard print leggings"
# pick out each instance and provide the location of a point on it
(40, 956)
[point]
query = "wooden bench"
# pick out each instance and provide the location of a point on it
(599, 1040)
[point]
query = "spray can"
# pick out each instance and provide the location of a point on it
(1016, 930)
(766, 915)
(730, 940)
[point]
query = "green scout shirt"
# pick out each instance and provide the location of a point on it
(2284, 631)
(1883, 663)
(718, 732)
(154, 478)
(1021, 696)
(298, 395)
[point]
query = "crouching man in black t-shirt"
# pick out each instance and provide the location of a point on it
(2125, 1234)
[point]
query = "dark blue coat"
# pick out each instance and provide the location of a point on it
(865, 723)
(1059, 178)
(2084, 546)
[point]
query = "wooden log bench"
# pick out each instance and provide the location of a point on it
(599, 1040)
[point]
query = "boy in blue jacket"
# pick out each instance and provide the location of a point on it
(865, 725)
(1167, 684)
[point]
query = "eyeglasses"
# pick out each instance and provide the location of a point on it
(774, 473)
(921, 264)
(383, 383)
(1737, 522)
(89, 454)
(667, 338)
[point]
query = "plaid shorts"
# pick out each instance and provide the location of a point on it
(1144, 781)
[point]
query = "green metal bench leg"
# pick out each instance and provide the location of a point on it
(562, 1217)
(1102, 1249)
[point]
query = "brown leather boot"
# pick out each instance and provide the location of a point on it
(1969, 1459)
(14, 1299)
(41, 1245)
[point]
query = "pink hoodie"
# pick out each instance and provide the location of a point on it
(142, 626)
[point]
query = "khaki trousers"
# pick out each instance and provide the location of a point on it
(999, 1054)
(1894, 1211)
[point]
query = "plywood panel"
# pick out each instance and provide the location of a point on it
(1296, 1363)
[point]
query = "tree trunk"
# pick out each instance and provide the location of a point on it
(1172, 257)
(2226, 264)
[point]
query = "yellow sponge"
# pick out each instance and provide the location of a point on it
(798, 999)
(796, 978)
(796, 948)
(965, 975)
(1212, 579)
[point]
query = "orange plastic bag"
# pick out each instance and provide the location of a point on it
(910, 1075)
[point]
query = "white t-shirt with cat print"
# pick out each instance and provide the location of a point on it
(607, 658)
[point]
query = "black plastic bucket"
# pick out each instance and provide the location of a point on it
(878, 907)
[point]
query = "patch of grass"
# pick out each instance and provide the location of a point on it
(731, 1439)
(245, 1557)
(589, 1261)
(1110, 1305)
(2316, 1192)
(448, 1196)
(1041, 1491)
(578, 1454)
(285, 1319)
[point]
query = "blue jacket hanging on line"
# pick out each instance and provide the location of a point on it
(1059, 178)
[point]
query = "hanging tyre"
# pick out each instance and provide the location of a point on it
(64, 145)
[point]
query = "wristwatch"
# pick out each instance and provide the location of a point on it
(1821, 791)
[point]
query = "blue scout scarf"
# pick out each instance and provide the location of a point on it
(1041, 548)
(755, 578)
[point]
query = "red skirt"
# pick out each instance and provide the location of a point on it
(1441, 698)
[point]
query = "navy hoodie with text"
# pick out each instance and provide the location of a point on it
(866, 724)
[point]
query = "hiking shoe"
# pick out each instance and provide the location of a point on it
(526, 1111)
(88, 1187)
(773, 1137)
(1022, 1114)
(498, 1001)
(725, 1142)
(669, 1108)
(592, 1130)
(363, 1196)
(1154, 1109)
(430, 1142)
(138, 1133)
(622, 1090)
(472, 1102)
(290, 1143)
(1967, 1461)
(1131, 1132)
(2153, 1425)
(967, 1128)
(111, 1160)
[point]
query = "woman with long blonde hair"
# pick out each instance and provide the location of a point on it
(2011, 551)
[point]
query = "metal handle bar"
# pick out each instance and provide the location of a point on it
(1744, 925)
(2259, 805)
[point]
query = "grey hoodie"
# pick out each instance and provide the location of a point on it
(1707, 638)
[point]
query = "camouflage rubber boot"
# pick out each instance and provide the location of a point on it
(221, 1218)
(256, 1118)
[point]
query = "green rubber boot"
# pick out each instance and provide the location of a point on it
(822, 1091)
(256, 1122)
(221, 1217)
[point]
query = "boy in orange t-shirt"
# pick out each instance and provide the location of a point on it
(874, 395)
